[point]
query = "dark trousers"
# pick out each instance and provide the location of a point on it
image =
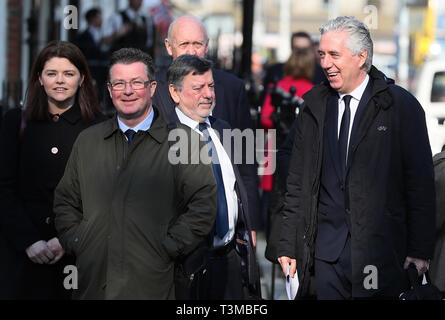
(333, 279)
(222, 279)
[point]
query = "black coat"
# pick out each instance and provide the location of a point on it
(437, 266)
(30, 168)
(232, 107)
(97, 60)
(389, 187)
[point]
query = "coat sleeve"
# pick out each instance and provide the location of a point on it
(248, 171)
(291, 213)
(68, 204)
(197, 190)
(418, 175)
(16, 226)
(439, 177)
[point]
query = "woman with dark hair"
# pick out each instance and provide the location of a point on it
(35, 145)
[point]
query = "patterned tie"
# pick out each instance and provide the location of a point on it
(344, 133)
(130, 134)
(222, 222)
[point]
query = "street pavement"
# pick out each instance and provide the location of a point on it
(267, 288)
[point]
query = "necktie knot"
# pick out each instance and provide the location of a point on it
(202, 126)
(347, 99)
(130, 134)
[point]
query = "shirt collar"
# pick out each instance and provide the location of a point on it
(95, 33)
(357, 92)
(144, 125)
(131, 13)
(185, 119)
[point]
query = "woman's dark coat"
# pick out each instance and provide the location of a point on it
(32, 161)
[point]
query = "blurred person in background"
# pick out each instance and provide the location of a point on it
(130, 28)
(300, 40)
(279, 112)
(438, 261)
(35, 145)
(90, 43)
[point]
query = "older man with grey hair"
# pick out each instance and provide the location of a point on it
(230, 271)
(187, 35)
(360, 200)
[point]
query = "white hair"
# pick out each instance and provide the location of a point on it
(170, 27)
(359, 36)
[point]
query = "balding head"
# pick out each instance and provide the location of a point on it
(186, 35)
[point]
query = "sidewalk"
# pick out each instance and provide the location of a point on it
(266, 273)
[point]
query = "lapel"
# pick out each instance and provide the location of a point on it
(332, 132)
(219, 126)
(219, 111)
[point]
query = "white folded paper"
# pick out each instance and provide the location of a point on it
(291, 284)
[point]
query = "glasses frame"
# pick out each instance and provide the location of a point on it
(146, 83)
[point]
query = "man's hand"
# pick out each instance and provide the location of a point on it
(56, 249)
(284, 262)
(39, 252)
(421, 265)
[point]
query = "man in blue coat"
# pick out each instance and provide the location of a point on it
(187, 35)
(360, 202)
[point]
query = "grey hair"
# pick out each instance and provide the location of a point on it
(183, 65)
(359, 36)
(170, 28)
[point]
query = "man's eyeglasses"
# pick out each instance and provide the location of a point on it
(134, 84)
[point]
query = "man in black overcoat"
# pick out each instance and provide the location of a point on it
(360, 201)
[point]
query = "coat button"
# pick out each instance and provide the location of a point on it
(76, 239)
(54, 150)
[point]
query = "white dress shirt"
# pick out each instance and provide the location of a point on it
(356, 95)
(227, 173)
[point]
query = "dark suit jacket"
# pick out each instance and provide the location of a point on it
(97, 60)
(232, 107)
